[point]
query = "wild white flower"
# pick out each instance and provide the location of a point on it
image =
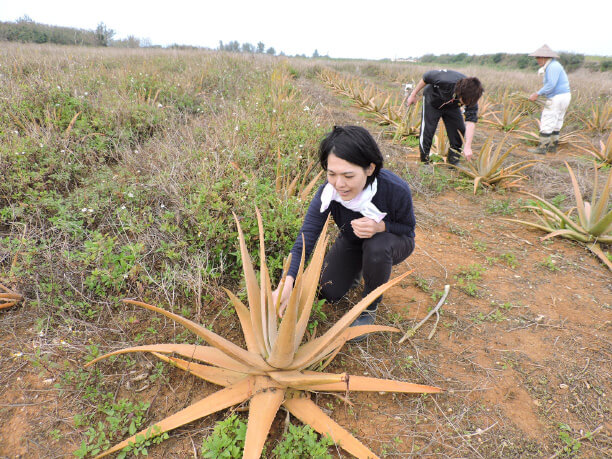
(159, 105)
(236, 128)
(306, 108)
(90, 210)
(86, 93)
(130, 195)
(301, 146)
(41, 145)
(62, 151)
(84, 209)
(59, 87)
(162, 206)
(122, 207)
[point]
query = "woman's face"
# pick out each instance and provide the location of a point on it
(348, 179)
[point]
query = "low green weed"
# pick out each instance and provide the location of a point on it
(302, 442)
(119, 419)
(466, 278)
(571, 445)
(226, 440)
(549, 263)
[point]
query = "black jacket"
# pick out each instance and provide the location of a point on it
(440, 92)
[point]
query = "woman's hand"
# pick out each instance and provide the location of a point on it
(533, 97)
(365, 227)
(284, 295)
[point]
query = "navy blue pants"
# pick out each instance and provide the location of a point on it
(372, 257)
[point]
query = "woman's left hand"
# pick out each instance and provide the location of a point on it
(365, 227)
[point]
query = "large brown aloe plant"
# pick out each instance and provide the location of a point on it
(8, 298)
(593, 225)
(276, 368)
(486, 168)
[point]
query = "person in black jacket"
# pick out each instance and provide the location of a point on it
(447, 93)
(372, 208)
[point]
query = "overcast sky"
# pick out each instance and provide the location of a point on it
(353, 29)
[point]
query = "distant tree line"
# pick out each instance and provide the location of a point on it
(570, 61)
(25, 30)
(236, 47)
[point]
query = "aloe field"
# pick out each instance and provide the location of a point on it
(134, 187)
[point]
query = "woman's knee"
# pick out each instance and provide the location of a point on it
(378, 250)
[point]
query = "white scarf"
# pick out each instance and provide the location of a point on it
(361, 203)
(542, 69)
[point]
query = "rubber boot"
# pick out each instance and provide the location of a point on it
(543, 146)
(554, 141)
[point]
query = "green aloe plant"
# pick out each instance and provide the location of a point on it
(593, 224)
(487, 168)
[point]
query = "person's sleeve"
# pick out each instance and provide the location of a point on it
(431, 77)
(311, 229)
(471, 113)
(403, 221)
(552, 76)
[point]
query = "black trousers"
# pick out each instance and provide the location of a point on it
(455, 129)
(372, 257)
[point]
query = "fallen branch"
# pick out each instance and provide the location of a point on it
(413, 330)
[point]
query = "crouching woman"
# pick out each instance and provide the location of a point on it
(372, 208)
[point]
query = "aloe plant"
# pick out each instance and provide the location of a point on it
(276, 368)
(512, 114)
(8, 298)
(600, 119)
(593, 225)
(531, 134)
(486, 168)
(603, 153)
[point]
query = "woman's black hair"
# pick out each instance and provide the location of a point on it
(353, 144)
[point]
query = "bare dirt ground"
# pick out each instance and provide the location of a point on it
(523, 345)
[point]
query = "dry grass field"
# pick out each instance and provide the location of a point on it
(119, 170)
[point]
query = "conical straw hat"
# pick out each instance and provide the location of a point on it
(544, 51)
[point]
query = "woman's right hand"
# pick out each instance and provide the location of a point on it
(284, 295)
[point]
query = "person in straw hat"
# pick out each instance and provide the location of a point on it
(556, 89)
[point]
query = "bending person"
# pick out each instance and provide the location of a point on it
(448, 95)
(372, 208)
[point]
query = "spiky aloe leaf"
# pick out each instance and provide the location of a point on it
(305, 355)
(262, 410)
(206, 354)
(309, 413)
(220, 400)
(215, 375)
(211, 338)
(368, 384)
(253, 293)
